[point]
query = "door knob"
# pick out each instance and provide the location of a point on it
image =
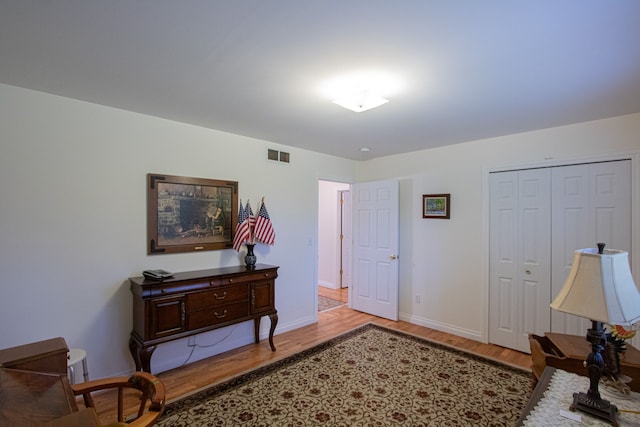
(527, 272)
(392, 257)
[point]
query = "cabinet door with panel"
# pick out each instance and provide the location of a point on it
(262, 297)
(167, 316)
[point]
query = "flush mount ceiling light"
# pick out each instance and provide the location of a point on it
(360, 101)
(361, 90)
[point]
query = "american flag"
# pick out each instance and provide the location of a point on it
(242, 228)
(264, 228)
(252, 219)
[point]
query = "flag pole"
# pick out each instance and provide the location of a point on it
(252, 227)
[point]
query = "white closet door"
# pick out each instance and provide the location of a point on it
(591, 204)
(519, 287)
(503, 258)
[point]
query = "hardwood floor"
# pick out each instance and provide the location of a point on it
(201, 374)
(337, 294)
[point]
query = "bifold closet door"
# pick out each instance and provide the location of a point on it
(591, 204)
(539, 218)
(519, 270)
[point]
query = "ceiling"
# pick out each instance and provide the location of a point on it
(466, 69)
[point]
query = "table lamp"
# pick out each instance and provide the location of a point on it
(600, 288)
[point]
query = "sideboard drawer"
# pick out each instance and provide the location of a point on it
(250, 277)
(218, 296)
(217, 315)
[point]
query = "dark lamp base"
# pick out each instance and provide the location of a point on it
(595, 406)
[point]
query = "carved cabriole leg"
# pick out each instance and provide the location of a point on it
(274, 322)
(256, 329)
(141, 355)
(145, 357)
(134, 349)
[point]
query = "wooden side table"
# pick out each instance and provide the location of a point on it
(570, 351)
(35, 390)
(42, 356)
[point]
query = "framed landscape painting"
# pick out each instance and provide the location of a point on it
(190, 214)
(436, 206)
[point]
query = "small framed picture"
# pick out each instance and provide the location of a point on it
(436, 206)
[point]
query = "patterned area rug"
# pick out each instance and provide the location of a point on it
(325, 303)
(371, 376)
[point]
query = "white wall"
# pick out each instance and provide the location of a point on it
(73, 219)
(328, 233)
(445, 262)
(73, 222)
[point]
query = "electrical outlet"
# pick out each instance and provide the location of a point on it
(417, 299)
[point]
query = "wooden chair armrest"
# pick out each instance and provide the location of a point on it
(151, 388)
(95, 385)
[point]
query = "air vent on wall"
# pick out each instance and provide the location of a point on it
(276, 155)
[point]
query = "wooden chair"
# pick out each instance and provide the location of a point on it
(149, 387)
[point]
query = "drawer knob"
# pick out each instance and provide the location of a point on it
(230, 280)
(224, 295)
(163, 290)
(220, 316)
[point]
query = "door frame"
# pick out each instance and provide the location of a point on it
(634, 260)
(344, 229)
(316, 238)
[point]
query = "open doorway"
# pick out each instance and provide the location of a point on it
(334, 244)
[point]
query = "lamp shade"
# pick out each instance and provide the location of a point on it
(600, 287)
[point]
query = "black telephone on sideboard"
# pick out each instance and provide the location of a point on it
(157, 274)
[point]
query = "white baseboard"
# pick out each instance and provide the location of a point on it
(177, 352)
(326, 284)
(443, 327)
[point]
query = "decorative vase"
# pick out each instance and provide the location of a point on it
(250, 258)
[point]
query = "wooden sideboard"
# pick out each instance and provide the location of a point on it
(193, 302)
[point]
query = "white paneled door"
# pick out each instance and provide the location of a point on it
(538, 218)
(591, 204)
(375, 248)
(519, 285)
